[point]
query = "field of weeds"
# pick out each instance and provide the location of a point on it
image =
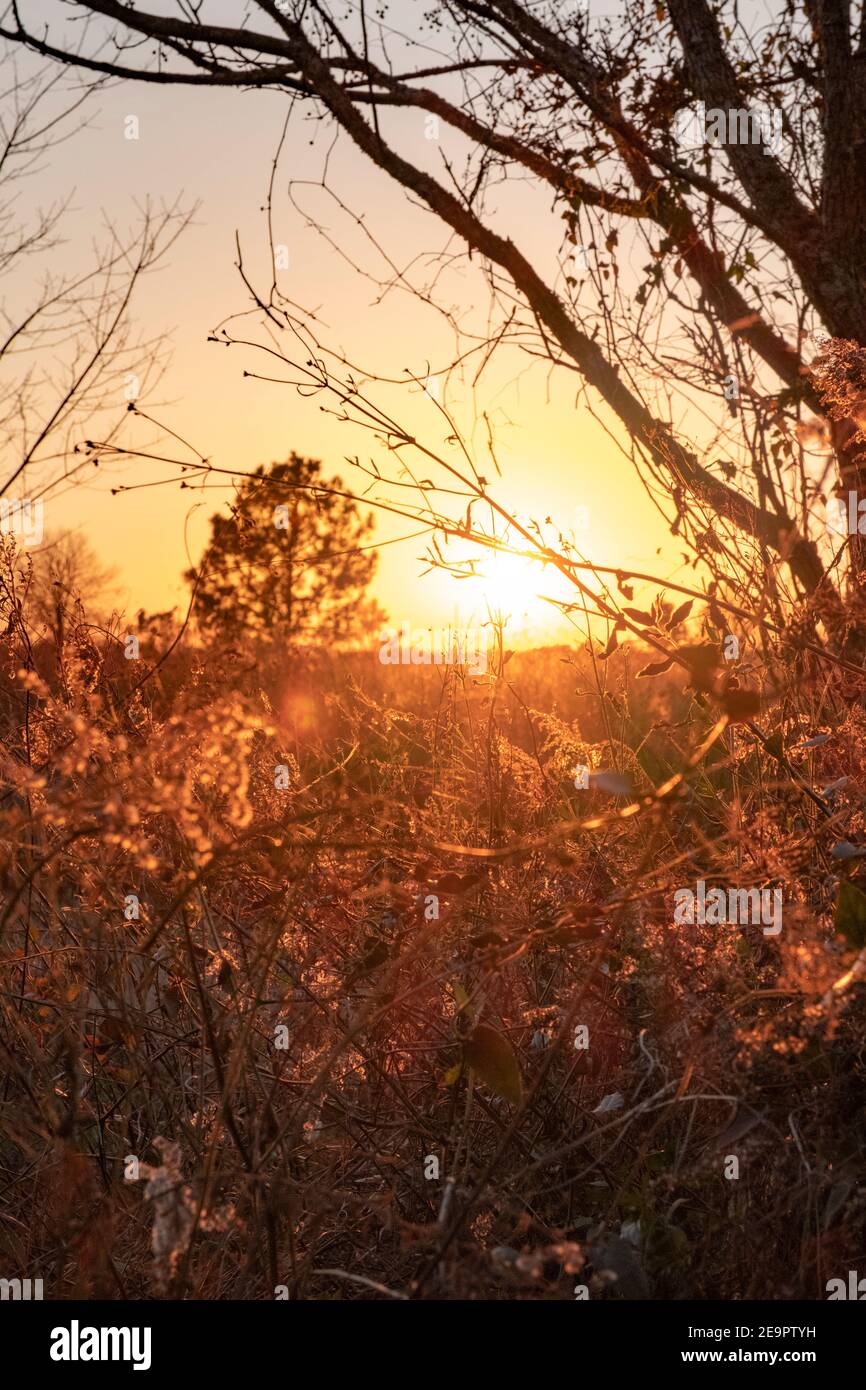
(323, 980)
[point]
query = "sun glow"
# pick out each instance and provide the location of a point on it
(517, 590)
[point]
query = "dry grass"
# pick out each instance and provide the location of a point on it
(296, 916)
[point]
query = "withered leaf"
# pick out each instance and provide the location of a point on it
(492, 1057)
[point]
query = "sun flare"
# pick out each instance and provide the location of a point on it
(517, 590)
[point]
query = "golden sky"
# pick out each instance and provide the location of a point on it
(214, 149)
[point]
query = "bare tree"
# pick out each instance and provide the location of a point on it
(68, 347)
(67, 572)
(755, 234)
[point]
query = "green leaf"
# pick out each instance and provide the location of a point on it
(850, 919)
(492, 1057)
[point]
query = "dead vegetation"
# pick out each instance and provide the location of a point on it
(318, 1035)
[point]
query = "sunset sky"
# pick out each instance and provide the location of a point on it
(215, 149)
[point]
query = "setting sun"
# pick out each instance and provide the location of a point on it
(510, 585)
(433, 632)
(521, 591)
